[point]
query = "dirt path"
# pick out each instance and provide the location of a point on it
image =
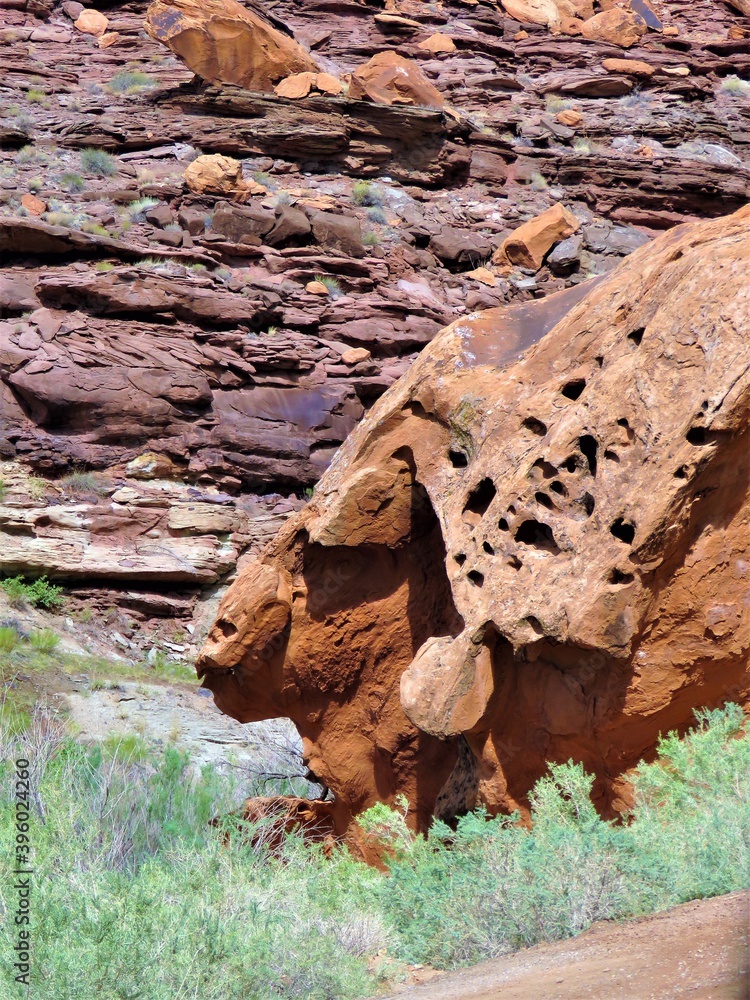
(700, 950)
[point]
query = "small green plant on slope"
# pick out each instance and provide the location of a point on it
(130, 82)
(137, 209)
(363, 193)
(371, 239)
(44, 640)
(334, 288)
(733, 85)
(40, 593)
(9, 638)
(98, 162)
(71, 181)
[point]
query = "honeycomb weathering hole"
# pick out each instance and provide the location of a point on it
(535, 426)
(538, 535)
(458, 459)
(623, 531)
(589, 448)
(574, 388)
(475, 577)
(226, 628)
(636, 336)
(480, 497)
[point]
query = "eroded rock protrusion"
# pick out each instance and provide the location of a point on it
(501, 555)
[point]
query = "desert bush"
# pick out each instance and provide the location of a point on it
(133, 885)
(370, 239)
(40, 593)
(9, 638)
(364, 193)
(71, 181)
(334, 288)
(733, 85)
(98, 162)
(130, 82)
(44, 640)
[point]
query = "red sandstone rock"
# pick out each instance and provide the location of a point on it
(388, 78)
(223, 41)
(494, 571)
(530, 243)
(618, 27)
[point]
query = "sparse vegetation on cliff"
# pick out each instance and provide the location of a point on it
(128, 871)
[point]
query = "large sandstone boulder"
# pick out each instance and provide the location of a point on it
(389, 78)
(224, 42)
(535, 547)
(528, 245)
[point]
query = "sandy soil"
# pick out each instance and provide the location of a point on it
(700, 950)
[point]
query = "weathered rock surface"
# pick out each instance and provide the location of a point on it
(224, 42)
(388, 78)
(535, 547)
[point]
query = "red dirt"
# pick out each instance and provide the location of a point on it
(700, 950)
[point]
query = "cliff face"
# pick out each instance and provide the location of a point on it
(534, 547)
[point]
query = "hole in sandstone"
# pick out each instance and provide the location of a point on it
(574, 388)
(458, 459)
(544, 500)
(546, 468)
(460, 558)
(599, 360)
(570, 464)
(589, 447)
(514, 562)
(588, 503)
(535, 426)
(697, 435)
(503, 524)
(475, 577)
(488, 548)
(611, 456)
(618, 577)
(704, 405)
(535, 624)
(682, 472)
(538, 535)
(480, 498)
(623, 530)
(511, 509)
(559, 488)
(637, 336)
(226, 628)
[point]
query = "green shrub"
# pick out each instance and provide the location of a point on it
(376, 215)
(130, 82)
(99, 163)
(44, 640)
(363, 193)
(733, 85)
(35, 96)
(370, 239)
(71, 181)
(3, 490)
(9, 638)
(40, 593)
(137, 209)
(334, 288)
(129, 870)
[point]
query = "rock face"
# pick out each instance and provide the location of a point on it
(224, 42)
(535, 547)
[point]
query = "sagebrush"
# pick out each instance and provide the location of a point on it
(137, 895)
